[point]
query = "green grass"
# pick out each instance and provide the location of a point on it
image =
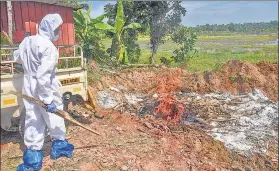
(214, 61)
(214, 51)
(240, 37)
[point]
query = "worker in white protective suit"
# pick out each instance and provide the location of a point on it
(39, 58)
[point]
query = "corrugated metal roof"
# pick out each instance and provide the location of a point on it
(60, 4)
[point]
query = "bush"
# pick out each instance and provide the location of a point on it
(187, 39)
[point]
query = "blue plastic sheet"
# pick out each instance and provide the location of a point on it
(61, 148)
(32, 160)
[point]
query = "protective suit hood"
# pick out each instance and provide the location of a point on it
(48, 24)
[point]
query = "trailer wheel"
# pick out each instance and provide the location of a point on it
(21, 126)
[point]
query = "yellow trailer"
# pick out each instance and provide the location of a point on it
(73, 80)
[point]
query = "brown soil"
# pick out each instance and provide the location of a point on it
(128, 144)
(237, 77)
(136, 144)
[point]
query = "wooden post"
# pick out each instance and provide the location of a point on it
(10, 19)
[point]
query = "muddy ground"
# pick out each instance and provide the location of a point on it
(132, 143)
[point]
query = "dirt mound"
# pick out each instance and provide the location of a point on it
(244, 77)
(237, 78)
(168, 80)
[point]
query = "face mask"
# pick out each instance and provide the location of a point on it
(55, 38)
(56, 33)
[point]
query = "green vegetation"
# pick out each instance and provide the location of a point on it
(214, 51)
(118, 30)
(260, 38)
(162, 22)
(89, 36)
(68, 63)
(232, 28)
(162, 39)
(235, 79)
(186, 39)
(157, 18)
(4, 40)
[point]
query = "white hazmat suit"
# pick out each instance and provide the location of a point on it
(39, 58)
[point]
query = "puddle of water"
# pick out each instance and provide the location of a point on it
(272, 42)
(245, 49)
(211, 50)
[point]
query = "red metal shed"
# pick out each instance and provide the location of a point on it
(26, 16)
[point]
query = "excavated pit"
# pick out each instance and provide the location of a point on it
(170, 119)
(237, 106)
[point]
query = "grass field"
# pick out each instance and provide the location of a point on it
(213, 51)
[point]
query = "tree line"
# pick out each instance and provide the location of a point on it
(127, 20)
(261, 27)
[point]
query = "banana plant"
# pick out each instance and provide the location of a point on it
(85, 25)
(118, 30)
(88, 36)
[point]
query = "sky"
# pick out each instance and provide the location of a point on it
(216, 12)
